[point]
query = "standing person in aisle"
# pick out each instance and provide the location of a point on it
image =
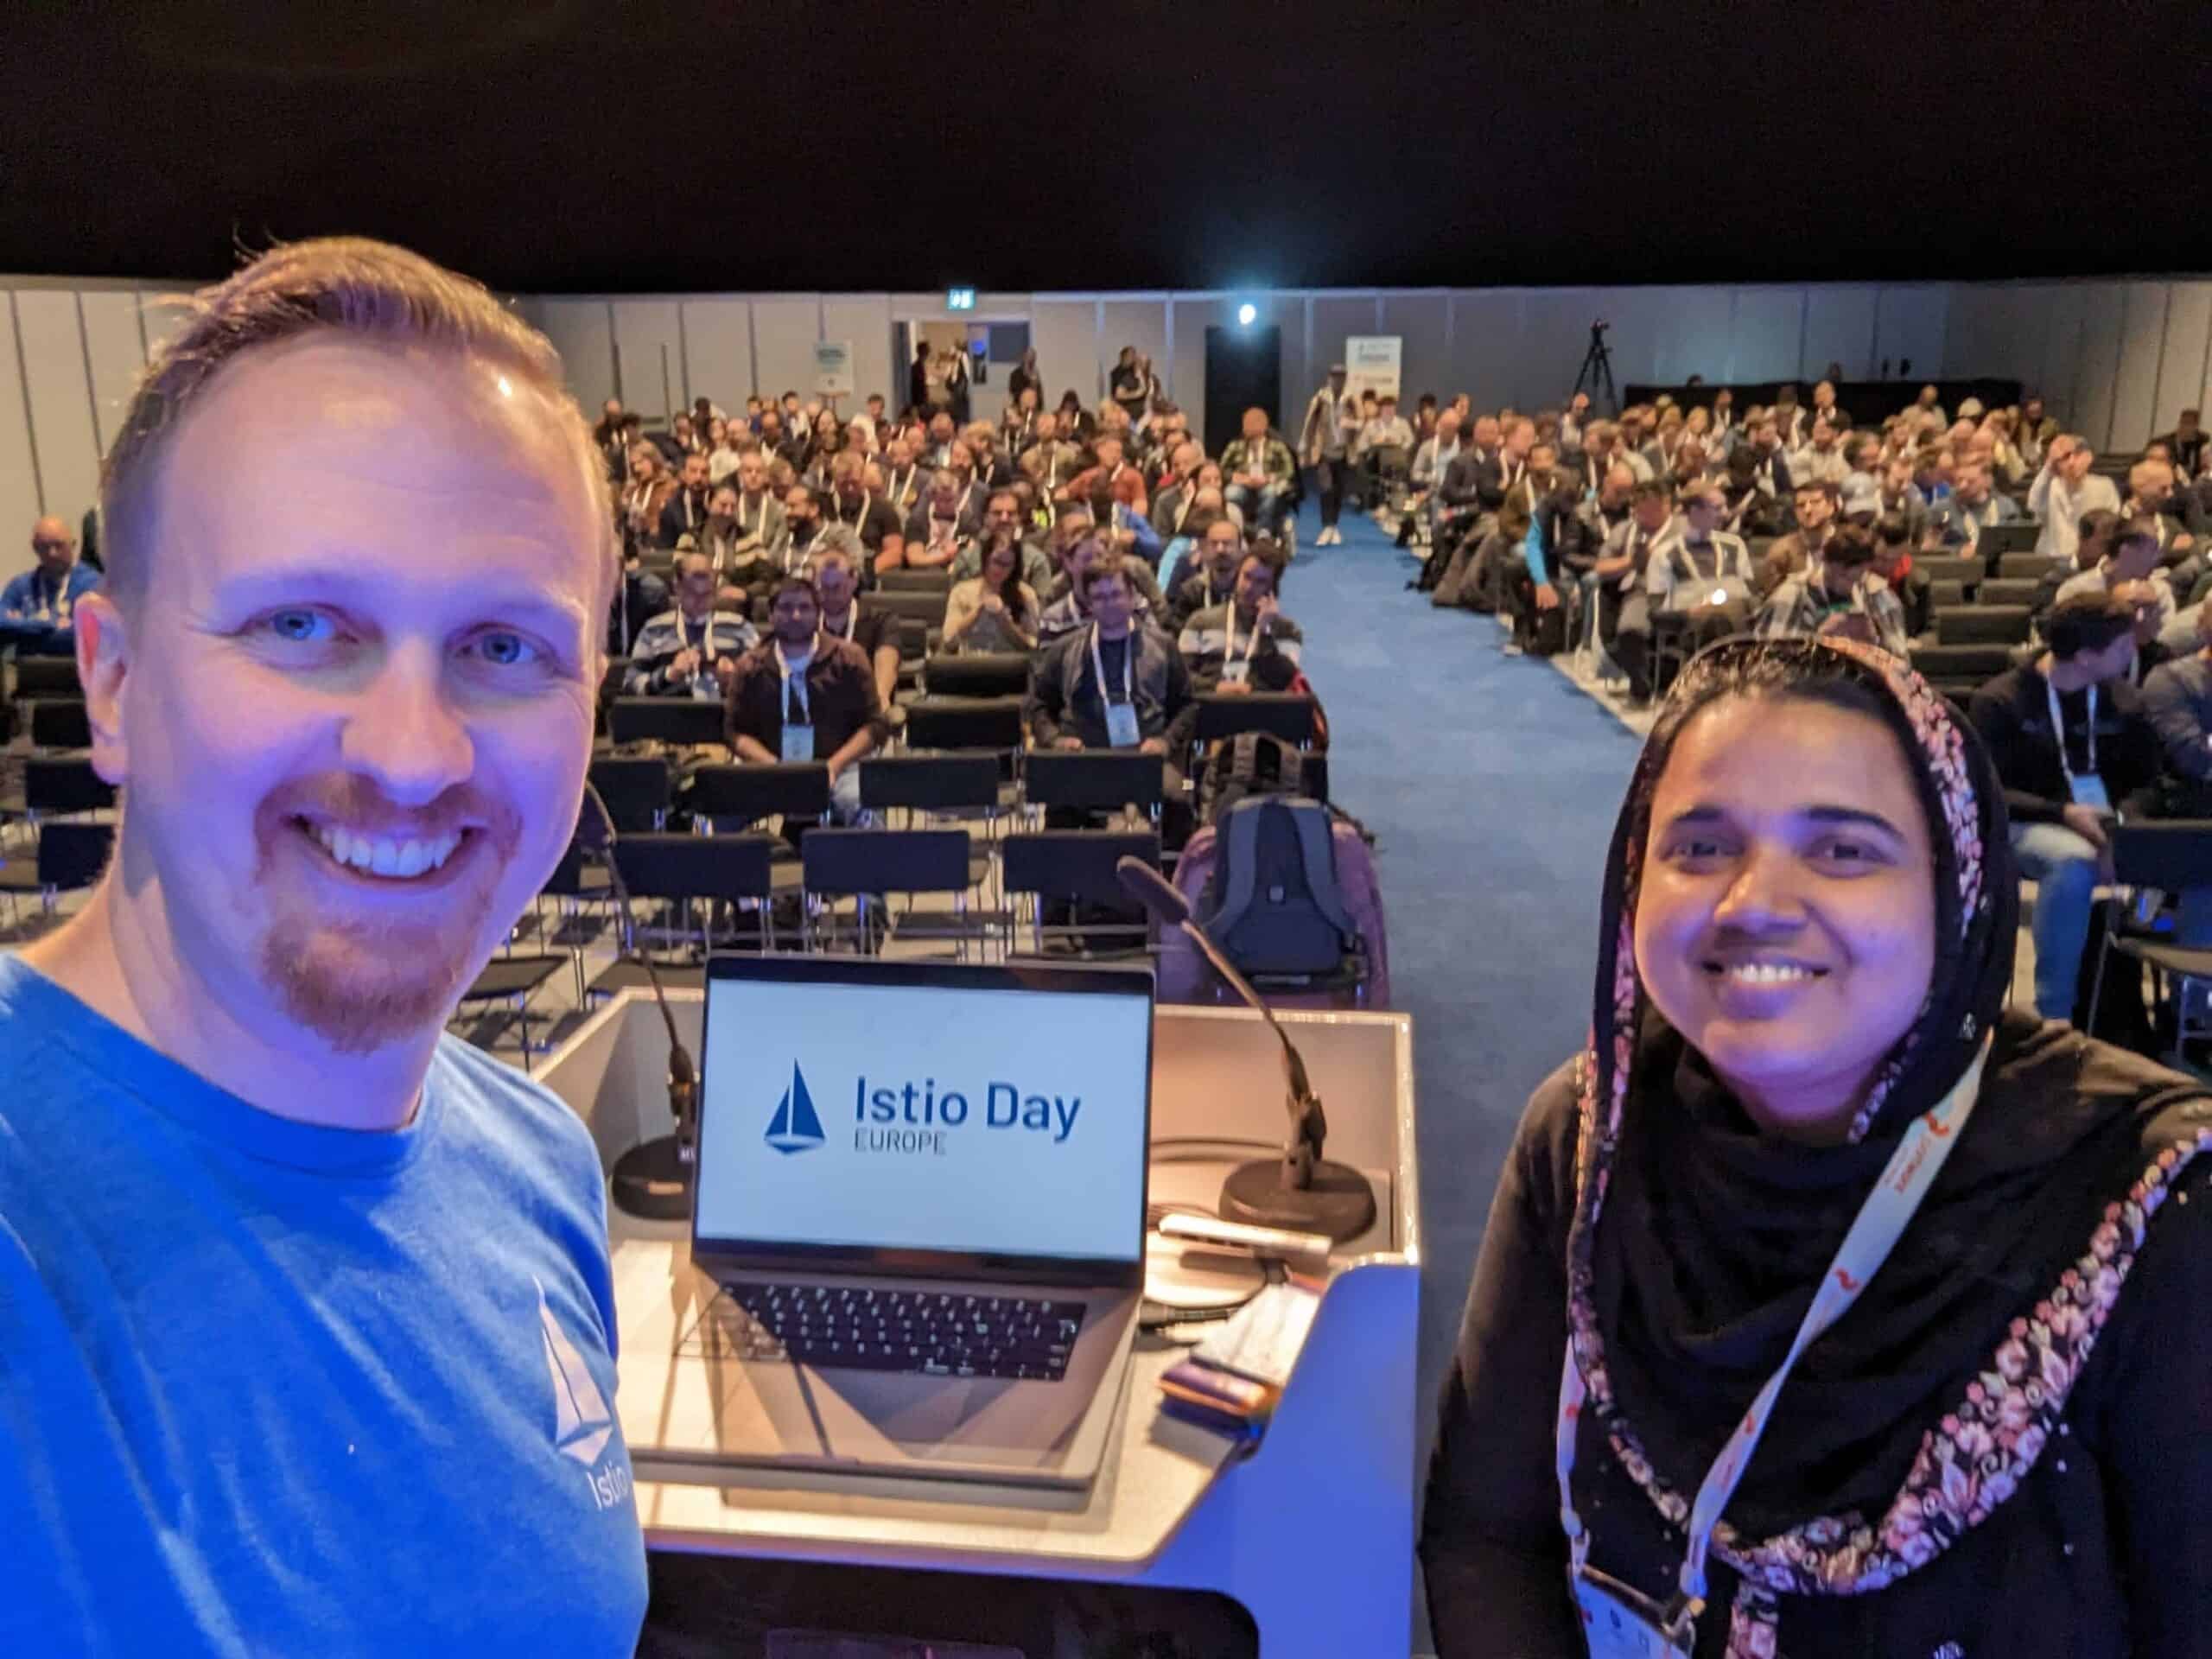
(1324, 441)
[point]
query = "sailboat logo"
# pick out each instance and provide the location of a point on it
(581, 1423)
(795, 1127)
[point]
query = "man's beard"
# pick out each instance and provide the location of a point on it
(360, 988)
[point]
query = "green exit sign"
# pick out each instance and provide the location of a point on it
(960, 299)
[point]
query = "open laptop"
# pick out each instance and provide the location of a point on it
(920, 1216)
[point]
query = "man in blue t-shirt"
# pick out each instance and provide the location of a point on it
(307, 1321)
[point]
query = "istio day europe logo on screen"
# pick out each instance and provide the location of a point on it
(916, 1118)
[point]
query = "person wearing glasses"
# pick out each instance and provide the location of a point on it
(38, 608)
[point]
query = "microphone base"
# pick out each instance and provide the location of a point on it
(652, 1182)
(1339, 1203)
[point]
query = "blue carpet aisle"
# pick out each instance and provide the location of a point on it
(1491, 784)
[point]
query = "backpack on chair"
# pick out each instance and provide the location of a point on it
(1250, 764)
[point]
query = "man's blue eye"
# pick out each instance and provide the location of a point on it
(300, 627)
(504, 650)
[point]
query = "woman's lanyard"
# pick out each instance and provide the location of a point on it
(1904, 1182)
(1128, 667)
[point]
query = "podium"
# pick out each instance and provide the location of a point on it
(1311, 1530)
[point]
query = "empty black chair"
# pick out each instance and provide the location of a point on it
(2175, 857)
(917, 581)
(866, 865)
(1982, 625)
(1286, 715)
(1941, 594)
(48, 677)
(2024, 567)
(70, 858)
(2009, 590)
(1948, 566)
(925, 608)
(664, 720)
(993, 723)
(1071, 873)
(2002, 542)
(635, 788)
(509, 982)
(1960, 668)
(1093, 780)
(749, 793)
(985, 674)
(59, 723)
(930, 783)
(58, 783)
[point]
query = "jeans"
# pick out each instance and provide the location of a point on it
(1262, 509)
(2064, 869)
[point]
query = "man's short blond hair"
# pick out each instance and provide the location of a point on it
(347, 284)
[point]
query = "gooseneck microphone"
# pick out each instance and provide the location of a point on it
(1301, 1191)
(653, 1180)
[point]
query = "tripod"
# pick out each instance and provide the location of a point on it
(1596, 368)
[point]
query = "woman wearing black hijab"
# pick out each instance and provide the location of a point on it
(2003, 1446)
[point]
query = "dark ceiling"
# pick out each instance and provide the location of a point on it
(765, 145)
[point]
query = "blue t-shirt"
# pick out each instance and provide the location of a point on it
(272, 1388)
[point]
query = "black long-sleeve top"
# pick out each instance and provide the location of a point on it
(2013, 715)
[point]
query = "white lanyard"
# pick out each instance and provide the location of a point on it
(1251, 641)
(868, 500)
(792, 686)
(706, 632)
(1129, 666)
(759, 515)
(1904, 1181)
(851, 621)
(2058, 730)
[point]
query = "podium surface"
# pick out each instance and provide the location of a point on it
(1311, 1529)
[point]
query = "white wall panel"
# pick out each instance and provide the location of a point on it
(1839, 328)
(649, 356)
(19, 492)
(60, 398)
(1336, 318)
(1638, 318)
(1550, 346)
(718, 351)
(1065, 334)
(1695, 338)
(865, 320)
(2093, 375)
(583, 332)
(2065, 318)
(1764, 332)
(2181, 376)
(784, 329)
(2142, 336)
(1297, 373)
(1908, 324)
(1485, 327)
(1420, 322)
(118, 352)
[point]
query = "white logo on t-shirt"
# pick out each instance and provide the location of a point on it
(581, 1423)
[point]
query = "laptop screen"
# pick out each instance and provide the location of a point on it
(979, 1115)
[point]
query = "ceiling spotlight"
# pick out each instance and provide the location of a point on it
(1245, 313)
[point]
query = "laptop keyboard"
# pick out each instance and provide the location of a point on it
(935, 1333)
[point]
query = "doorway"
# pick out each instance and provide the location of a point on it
(994, 344)
(1244, 370)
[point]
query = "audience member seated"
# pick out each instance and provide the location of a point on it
(2065, 489)
(691, 651)
(684, 512)
(834, 567)
(759, 512)
(1822, 457)
(1621, 577)
(878, 524)
(2151, 501)
(1842, 594)
(1259, 467)
(2185, 444)
(1893, 563)
(744, 567)
(1003, 522)
(1955, 523)
(1172, 501)
(1110, 469)
(1211, 578)
(2096, 530)
(2070, 743)
(2130, 574)
(1116, 682)
(1558, 548)
(2177, 701)
(936, 531)
(1707, 578)
(38, 608)
(805, 695)
(650, 486)
(1078, 544)
(996, 611)
(1245, 643)
(1388, 431)
(1796, 554)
